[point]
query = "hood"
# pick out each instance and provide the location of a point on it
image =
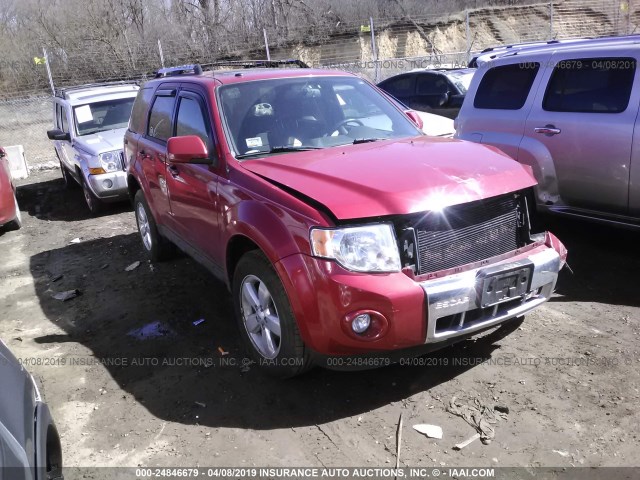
(436, 125)
(395, 177)
(102, 142)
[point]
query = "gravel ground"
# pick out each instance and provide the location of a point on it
(168, 397)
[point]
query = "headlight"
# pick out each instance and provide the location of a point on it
(110, 161)
(369, 248)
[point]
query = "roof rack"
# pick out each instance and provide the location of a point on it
(259, 63)
(194, 69)
(495, 52)
(197, 69)
(65, 91)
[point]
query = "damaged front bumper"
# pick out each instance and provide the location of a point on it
(463, 304)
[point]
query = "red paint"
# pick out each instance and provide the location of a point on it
(7, 189)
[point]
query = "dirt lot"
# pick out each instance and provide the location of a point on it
(569, 374)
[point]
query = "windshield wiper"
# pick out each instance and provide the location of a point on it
(366, 140)
(279, 149)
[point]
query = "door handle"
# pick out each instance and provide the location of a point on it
(548, 130)
(144, 155)
(173, 170)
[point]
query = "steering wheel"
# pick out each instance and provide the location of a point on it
(341, 127)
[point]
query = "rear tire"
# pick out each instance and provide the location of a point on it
(157, 247)
(16, 223)
(265, 319)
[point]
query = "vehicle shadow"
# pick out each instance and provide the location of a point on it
(51, 200)
(604, 261)
(184, 363)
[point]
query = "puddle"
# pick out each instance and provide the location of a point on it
(152, 330)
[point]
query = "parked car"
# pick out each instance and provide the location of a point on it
(89, 125)
(437, 91)
(568, 110)
(10, 217)
(339, 227)
(29, 442)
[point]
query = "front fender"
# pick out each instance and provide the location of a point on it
(277, 232)
(535, 154)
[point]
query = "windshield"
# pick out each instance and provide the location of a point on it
(284, 115)
(102, 116)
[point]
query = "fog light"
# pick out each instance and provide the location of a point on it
(361, 323)
(107, 183)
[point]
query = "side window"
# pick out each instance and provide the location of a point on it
(506, 87)
(400, 87)
(430, 84)
(57, 115)
(191, 120)
(590, 85)
(140, 109)
(63, 119)
(160, 117)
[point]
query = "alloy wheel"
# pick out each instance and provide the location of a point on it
(260, 316)
(143, 226)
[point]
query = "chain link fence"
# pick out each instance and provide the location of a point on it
(374, 48)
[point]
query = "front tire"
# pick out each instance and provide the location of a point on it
(94, 203)
(265, 319)
(157, 247)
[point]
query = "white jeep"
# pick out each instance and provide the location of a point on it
(89, 125)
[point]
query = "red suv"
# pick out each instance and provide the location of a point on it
(338, 226)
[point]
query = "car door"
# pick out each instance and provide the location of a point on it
(584, 117)
(432, 92)
(64, 147)
(152, 151)
(193, 187)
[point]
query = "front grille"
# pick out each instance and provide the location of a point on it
(469, 233)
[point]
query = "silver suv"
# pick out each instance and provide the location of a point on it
(569, 110)
(89, 125)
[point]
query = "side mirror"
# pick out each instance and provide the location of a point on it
(415, 118)
(3, 153)
(57, 134)
(187, 149)
(443, 99)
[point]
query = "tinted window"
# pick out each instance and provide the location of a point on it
(63, 120)
(160, 118)
(399, 87)
(507, 87)
(590, 85)
(191, 120)
(432, 85)
(140, 108)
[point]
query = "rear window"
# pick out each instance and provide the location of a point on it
(140, 108)
(590, 85)
(506, 87)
